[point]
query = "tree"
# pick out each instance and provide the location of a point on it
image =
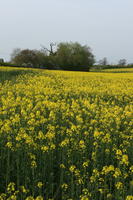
(1, 60)
(50, 51)
(67, 56)
(122, 62)
(25, 57)
(15, 52)
(42, 58)
(103, 62)
(73, 56)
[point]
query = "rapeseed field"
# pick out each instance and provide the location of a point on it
(66, 136)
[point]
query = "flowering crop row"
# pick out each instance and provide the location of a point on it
(66, 136)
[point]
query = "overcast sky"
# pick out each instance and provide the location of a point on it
(104, 25)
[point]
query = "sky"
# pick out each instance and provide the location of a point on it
(104, 25)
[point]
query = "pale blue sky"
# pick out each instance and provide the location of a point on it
(104, 25)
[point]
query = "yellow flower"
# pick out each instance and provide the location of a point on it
(107, 169)
(72, 168)
(65, 142)
(107, 151)
(84, 198)
(101, 190)
(40, 135)
(12, 197)
(30, 198)
(50, 135)
(52, 146)
(62, 166)
(119, 185)
(33, 164)
(39, 198)
(97, 134)
(64, 186)
(82, 144)
(118, 152)
(44, 148)
(131, 169)
(2, 196)
(109, 196)
(39, 184)
(11, 187)
(129, 197)
(9, 144)
(117, 173)
(124, 160)
(23, 189)
(85, 164)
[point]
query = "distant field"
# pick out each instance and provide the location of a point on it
(66, 135)
(115, 70)
(124, 70)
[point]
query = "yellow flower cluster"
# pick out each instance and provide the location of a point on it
(66, 135)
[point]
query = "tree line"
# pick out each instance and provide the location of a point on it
(66, 56)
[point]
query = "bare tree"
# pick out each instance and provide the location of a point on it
(103, 61)
(50, 51)
(122, 62)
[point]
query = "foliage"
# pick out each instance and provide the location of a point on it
(122, 62)
(73, 56)
(1, 61)
(66, 135)
(69, 56)
(103, 62)
(26, 57)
